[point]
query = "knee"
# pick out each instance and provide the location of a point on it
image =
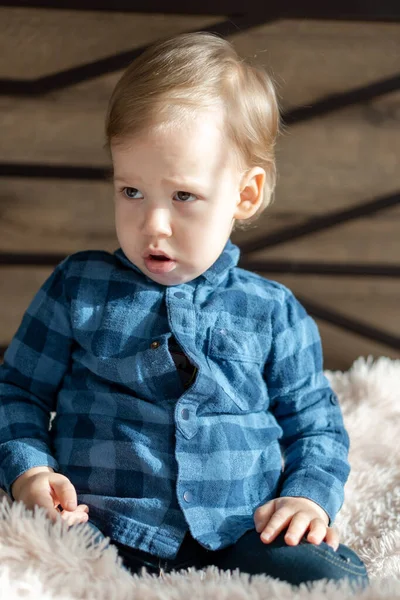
(343, 563)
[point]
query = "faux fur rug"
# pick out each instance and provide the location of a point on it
(50, 562)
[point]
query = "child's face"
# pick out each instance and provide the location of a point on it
(176, 191)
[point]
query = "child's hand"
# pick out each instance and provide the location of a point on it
(41, 486)
(79, 515)
(300, 514)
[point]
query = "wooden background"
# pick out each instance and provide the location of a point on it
(326, 164)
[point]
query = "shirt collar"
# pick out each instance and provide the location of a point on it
(228, 259)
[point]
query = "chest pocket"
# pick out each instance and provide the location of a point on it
(236, 358)
(237, 345)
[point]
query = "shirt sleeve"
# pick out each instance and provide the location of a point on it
(34, 366)
(315, 443)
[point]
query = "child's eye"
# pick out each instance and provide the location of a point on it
(129, 192)
(185, 196)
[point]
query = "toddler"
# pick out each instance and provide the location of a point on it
(193, 423)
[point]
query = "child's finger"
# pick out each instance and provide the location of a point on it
(297, 528)
(332, 537)
(278, 522)
(263, 514)
(64, 492)
(75, 517)
(317, 531)
(82, 508)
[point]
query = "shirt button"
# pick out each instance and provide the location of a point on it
(333, 399)
(223, 331)
(179, 294)
(154, 345)
(185, 414)
(188, 496)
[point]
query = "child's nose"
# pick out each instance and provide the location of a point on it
(157, 222)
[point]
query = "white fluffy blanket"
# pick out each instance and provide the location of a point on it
(41, 560)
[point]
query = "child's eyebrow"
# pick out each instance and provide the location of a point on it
(181, 183)
(184, 181)
(118, 177)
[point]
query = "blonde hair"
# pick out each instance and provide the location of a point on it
(175, 78)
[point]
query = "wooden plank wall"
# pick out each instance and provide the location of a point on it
(325, 164)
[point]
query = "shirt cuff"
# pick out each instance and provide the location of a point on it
(22, 457)
(309, 483)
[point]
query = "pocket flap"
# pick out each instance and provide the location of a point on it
(235, 344)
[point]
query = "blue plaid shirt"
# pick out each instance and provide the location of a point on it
(151, 459)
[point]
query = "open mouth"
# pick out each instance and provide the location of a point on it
(158, 257)
(159, 264)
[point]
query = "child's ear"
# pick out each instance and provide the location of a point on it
(251, 193)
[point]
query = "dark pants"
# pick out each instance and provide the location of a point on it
(303, 563)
